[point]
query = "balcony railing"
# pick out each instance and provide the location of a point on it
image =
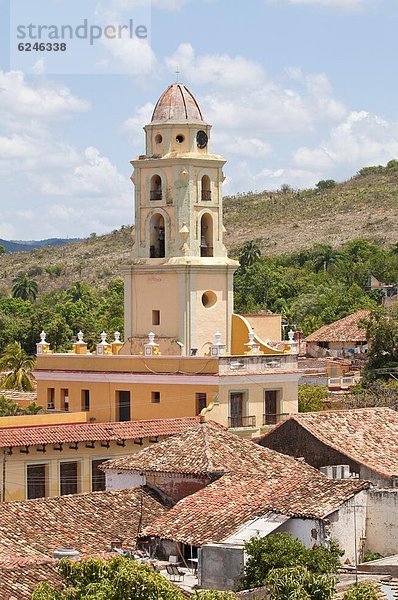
(274, 419)
(206, 251)
(240, 421)
(156, 195)
(206, 195)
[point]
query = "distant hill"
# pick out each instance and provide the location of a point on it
(27, 246)
(366, 207)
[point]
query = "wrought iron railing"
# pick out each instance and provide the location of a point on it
(274, 419)
(240, 421)
(206, 195)
(206, 251)
(156, 195)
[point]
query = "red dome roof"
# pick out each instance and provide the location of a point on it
(176, 104)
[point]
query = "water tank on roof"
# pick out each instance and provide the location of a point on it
(66, 553)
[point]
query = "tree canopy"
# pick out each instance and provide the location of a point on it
(115, 579)
(281, 551)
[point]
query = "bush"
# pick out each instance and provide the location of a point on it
(362, 591)
(299, 583)
(325, 184)
(311, 397)
(108, 580)
(280, 551)
(369, 556)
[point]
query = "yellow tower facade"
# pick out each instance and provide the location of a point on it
(179, 283)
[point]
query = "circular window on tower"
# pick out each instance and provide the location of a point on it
(180, 138)
(158, 138)
(209, 299)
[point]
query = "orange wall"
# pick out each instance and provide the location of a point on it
(175, 400)
(125, 364)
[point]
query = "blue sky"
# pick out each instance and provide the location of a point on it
(296, 90)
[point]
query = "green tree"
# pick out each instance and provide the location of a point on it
(325, 184)
(311, 397)
(373, 392)
(2, 250)
(17, 365)
(24, 288)
(325, 258)
(280, 551)
(249, 254)
(8, 408)
(382, 335)
(362, 591)
(116, 579)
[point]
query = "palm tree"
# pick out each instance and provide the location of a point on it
(325, 258)
(250, 253)
(17, 365)
(25, 288)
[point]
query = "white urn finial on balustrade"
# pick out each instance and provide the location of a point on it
(151, 347)
(42, 347)
(217, 348)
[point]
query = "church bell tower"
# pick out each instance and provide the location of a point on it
(179, 283)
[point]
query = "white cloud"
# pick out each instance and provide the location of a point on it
(44, 101)
(134, 56)
(60, 189)
(133, 126)
(245, 99)
(361, 139)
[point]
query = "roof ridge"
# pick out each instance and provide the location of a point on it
(208, 453)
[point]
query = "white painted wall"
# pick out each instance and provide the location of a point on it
(342, 524)
(382, 521)
(120, 480)
(308, 531)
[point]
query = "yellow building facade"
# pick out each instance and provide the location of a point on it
(58, 459)
(184, 346)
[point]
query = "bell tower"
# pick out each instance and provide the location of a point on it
(180, 281)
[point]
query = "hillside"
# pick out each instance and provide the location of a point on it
(95, 261)
(365, 206)
(17, 246)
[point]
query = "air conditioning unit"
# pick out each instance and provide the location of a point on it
(50, 406)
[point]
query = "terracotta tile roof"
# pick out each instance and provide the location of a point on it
(368, 436)
(87, 523)
(92, 432)
(343, 330)
(208, 449)
(220, 509)
(19, 579)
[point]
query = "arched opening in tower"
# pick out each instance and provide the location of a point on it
(206, 235)
(206, 190)
(157, 237)
(156, 188)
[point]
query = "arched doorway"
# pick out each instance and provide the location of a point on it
(157, 237)
(156, 188)
(206, 189)
(206, 235)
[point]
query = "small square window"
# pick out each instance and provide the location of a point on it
(155, 397)
(156, 317)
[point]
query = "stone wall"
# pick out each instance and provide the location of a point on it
(382, 522)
